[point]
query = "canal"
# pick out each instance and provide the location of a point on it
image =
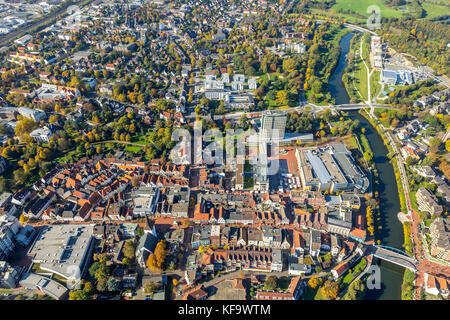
(392, 229)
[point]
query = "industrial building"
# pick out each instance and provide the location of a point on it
(330, 168)
(63, 250)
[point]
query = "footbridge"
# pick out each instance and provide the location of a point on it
(395, 256)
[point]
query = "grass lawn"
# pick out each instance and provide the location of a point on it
(361, 78)
(333, 13)
(350, 142)
(320, 296)
(36, 268)
(283, 283)
(412, 196)
(361, 6)
(375, 86)
(358, 76)
(364, 143)
(140, 140)
(347, 280)
(355, 271)
(282, 108)
(133, 148)
(310, 293)
(314, 294)
(248, 182)
(270, 76)
(65, 158)
(434, 10)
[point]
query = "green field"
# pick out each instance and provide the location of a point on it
(360, 71)
(133, 148)
(433, 10)
(361, 6)
(375, 85)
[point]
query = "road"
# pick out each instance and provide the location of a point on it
(21, 31)
(313, 108)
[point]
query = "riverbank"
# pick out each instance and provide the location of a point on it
(407, 288)
(393, 160)
(391, 231)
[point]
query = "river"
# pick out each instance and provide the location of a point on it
(392, 230)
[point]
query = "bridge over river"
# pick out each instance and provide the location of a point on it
(393, 255)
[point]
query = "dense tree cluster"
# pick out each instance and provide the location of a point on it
(424, 39)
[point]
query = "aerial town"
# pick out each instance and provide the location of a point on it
(223, 150)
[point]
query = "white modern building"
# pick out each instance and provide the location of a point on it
(41, 134)
(35, 114)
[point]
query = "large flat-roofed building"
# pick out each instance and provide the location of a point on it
(396, 77)
(273, 125)
(48, 286)
(145, 200)
(330, 168)
(64, 250)
(350, 170)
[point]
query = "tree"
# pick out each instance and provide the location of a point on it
(150, 287)
(99, 270)
(314, 282)
(281, 97)
(88, 288)
(151, 263)
(160, 254)
(25, 126)
(289, 65)
(186, 222)
(355, 291)
(270, 283)
(429, 160)
(435, 144)
(129, 249)
(330, 289)
(78, 295)
(368, 155)
(112, 285)
(409, 161)
(23, 219)
(102, 285)
(140, 232)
